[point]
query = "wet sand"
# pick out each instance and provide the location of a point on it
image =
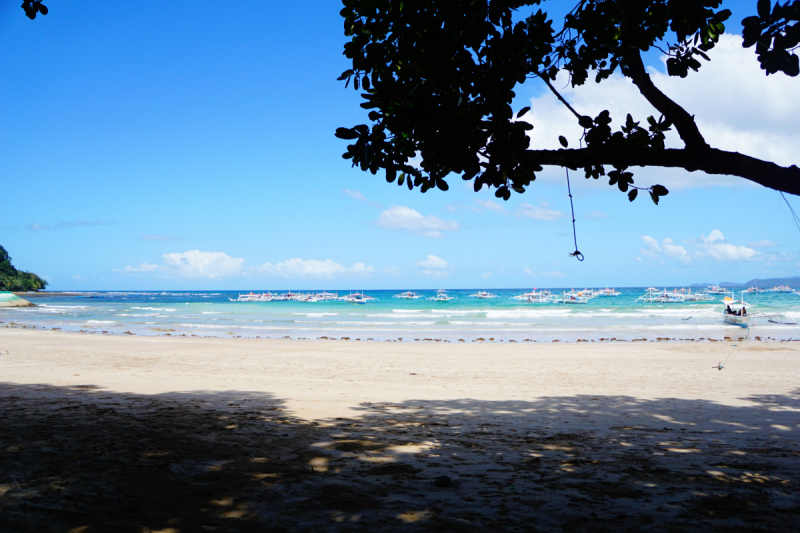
(105, 433)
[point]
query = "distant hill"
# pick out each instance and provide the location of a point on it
(794, 281)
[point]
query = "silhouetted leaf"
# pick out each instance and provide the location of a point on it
(563, 141)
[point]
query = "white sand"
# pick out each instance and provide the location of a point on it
(567, 437)
(326, 379)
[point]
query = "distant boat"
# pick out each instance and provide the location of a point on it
(253, 297)
(408, 295)
(358, 298)
(607, 292)
(483, 295)
(441, 296)
(533, 297)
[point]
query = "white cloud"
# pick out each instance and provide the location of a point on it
(712, 247)
(651, 244)
(715, 247)
(667, 247)
(491, 205)
(355, 195)
(486, 275)
(405, 218)
(754, 114)
(432, 262)
(554, 274)
(299, 268)
(195, 264)
(675, 251)
(392, 271)
(529, 272)
(540, 212)
(596, 215)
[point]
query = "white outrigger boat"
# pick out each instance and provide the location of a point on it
(607, 292)
(735, 313)
(408, 295)
(253, 297)
(654, 296)
(533, 297)
(358, 298)
(571, 297)
(716, 289)
(441, 296)
(483, 295)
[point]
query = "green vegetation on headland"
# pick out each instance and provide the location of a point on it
(12, 279)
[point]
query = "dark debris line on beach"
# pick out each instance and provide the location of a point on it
(82, 460)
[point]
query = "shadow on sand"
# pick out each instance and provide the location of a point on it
(80, 459)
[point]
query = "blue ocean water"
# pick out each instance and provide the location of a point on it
(212, 314)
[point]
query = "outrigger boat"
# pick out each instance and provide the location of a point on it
(483, 295)
(661, 297)
(607, 292)
(408, 295)
(533, 297)
(716, 289)
(571, 297)
(441, 296)
(735, 313)
(253, 297)
(358, 298)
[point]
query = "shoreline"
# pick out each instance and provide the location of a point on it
(167, 332)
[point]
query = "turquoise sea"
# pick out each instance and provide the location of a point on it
(212, 314)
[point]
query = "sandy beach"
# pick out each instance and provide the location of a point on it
(125, 433)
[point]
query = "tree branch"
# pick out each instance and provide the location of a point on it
(634, 69)
(708, 160)
(561, 98)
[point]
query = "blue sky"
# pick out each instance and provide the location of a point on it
(165, 145)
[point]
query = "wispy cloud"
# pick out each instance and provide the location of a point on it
(404, 218)
(762, 244)
(35, 226)
(596, 215)
(491, 205)
(355, 195)
(433, 267)
(162, 238)
(545, 274)
(486, 275)
(540, 212)
(300, 268)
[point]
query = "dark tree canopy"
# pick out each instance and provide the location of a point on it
(12, 279)
(438, 80)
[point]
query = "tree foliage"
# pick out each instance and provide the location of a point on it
(32, 7)
(438, 80)
(12, 279)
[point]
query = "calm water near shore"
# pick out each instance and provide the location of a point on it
(212, 314)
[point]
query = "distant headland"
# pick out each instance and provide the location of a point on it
(15, 280)
(793, 281)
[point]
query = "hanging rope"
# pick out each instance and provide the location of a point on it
(794, 215)
(576, 253)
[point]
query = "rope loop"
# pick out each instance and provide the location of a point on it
(576, 254)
